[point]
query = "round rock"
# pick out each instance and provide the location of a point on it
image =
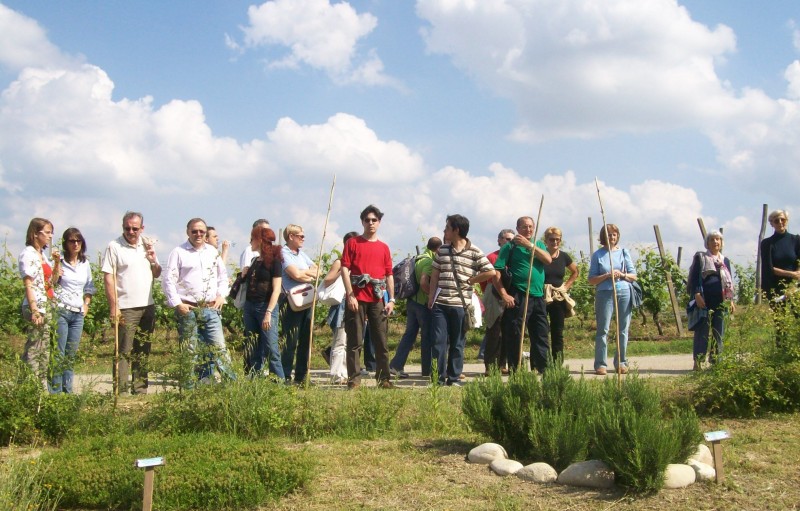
(538, 473)
(592, 474)
(486, 453)
(504, 467)
(679, 475)
(703, 455)
(702, 471)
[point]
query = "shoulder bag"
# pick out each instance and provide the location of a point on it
(637, 294)
(469, 311)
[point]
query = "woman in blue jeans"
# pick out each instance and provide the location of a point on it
(73, 295)
(260, 309)
(607, 261)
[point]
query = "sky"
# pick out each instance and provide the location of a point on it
(233, 111)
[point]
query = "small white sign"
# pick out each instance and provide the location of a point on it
(716, 436)
(150, 462)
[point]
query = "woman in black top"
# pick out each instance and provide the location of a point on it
(260, 309)
(711, 286)
(554, 276)
(779, 257)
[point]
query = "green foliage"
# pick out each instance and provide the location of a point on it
(756, 374)
(20, 395)
(582, 292)
(651, 273)
(203, 471)
(58, 414)
(21, 487)
(12, 291)
(632, 435)
(560, 420)
(745, 277)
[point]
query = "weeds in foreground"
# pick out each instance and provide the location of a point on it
(22, 487)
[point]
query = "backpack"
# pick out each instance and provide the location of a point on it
(405, 278)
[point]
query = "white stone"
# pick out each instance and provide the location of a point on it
(538, 473)
(678, 475)
(703, 455)
(592, 473)
(486, 453)
(702, 471)
(504, 467)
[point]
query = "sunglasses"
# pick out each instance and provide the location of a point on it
(198, 231)
(301, 236)
(370, 220)
(131, 229)
(554, 239)
(74, 241)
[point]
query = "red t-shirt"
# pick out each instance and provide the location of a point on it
(367, 257)
(492, 258)
(48, 279)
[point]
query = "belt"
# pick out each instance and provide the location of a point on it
(71, 308)
(187, 302)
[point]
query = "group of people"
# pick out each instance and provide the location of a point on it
(526, 284)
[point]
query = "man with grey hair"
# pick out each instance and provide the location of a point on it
(129, 268)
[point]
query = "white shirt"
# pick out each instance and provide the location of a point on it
(134, 276)
(194, 275)
(247, 257)
(30, 265)
(75, 283)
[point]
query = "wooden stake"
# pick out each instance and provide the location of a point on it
(670, 286)
(528, 287)
(316, 282)
(761, 233)
(702, 229)
(116, 335)
(613, 281)
(591, 237)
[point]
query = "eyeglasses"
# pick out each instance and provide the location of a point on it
(371, 220)
(779, 220)
(301, 236)
(131, 229)
(198, 231)
(509, 239)
(554, 239)
(74, 241)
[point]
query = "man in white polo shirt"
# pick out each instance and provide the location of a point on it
(130, 264)
(196, 284)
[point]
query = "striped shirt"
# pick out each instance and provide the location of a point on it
(469, 262)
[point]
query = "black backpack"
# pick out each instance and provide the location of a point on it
(405, 278)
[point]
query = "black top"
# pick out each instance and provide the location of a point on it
(555, 271)
(711, 286)
(259, 279)
(778, 251)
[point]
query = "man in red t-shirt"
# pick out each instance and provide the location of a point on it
(367, 275)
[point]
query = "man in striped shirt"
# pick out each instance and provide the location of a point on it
(457, 267)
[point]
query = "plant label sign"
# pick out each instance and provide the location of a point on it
(150, 462)
(716, 436)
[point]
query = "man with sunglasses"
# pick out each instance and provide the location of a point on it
(129, 268)
(367, 276)
(196, 284)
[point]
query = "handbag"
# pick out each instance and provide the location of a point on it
(470, 321)
(331, 295)
(637, 293)
(695, 315)
(300, 297)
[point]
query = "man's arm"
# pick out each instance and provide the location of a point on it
(433, 287)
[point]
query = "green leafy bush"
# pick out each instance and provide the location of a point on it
(21, 487)
(631, 434)
(560, 420)
(202, 471)
(20, 395)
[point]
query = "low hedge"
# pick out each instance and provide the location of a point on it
(202, 471)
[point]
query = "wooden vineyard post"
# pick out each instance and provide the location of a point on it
(670, 286)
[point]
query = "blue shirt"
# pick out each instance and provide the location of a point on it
(298, 260)
(600, 265)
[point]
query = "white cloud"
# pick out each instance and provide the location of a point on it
(795, 34)
(24, 43)
(318, 34)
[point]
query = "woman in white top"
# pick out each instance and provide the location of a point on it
(38, 275)
(73, 296)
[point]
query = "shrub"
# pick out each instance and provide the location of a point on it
(202, 471)
(21, 487)
(630, 433)
(20, 395)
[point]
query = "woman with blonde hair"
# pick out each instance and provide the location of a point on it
(610, 269)
(556, 289)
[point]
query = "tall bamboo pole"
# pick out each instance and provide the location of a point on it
(528, 287)
(316, 282)
(613, 282)
(116, 334)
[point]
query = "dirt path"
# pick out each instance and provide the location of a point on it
(648, 366)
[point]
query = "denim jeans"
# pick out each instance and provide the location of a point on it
(297, 331)
(701, 334)
(603, 310)
(69, 327)
(204, 325)
(260, 343)
(448, 339)
(418, 318)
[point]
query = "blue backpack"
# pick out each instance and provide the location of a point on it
(405, 278)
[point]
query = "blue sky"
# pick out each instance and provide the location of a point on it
(236, 110)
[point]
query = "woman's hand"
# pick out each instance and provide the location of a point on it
(698, 298)
(267, 323)
(37, 318)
